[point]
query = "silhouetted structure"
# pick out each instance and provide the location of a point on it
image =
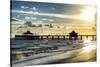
(32, 36)
(27, 36)
(27, 32)
(73, 35)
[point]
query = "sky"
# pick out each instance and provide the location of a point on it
(63, 17)
(52, 13)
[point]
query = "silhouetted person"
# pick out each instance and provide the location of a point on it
(73, 35)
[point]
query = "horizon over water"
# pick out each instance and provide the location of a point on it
(23, 45)
(52, 31)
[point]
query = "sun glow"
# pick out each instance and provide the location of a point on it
(88, 14)
(89, 46)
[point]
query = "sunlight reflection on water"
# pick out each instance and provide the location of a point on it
(87, 43)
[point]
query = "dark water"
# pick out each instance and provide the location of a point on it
(35, 47)
(22, 45)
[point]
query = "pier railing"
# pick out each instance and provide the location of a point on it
(30, 37)
(93, 37)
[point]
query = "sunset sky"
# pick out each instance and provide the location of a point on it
(53, 13)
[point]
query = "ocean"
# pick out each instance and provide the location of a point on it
(23, 50)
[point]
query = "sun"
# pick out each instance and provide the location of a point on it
(88, 14)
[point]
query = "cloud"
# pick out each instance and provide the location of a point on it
(33, 8)
(14, 19)
(30, 18)
(18, 16)
(64, 16)
(39, 22)
(21, 11)
(51, 20)
(53, 8)
(45, 19)
(33, 18)
(27, 18)
(24, 7)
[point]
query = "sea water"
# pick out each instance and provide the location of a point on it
(36, 47)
